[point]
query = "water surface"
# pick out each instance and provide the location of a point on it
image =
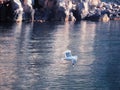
(30, 56)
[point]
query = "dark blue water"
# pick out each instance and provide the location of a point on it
(30, 56)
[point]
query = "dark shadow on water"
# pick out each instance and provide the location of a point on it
(106, 50)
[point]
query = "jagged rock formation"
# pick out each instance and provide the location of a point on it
(58, 10)
(28, 12)
(5, 10)
(17, 10)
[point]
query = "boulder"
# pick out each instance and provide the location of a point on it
(17, 10)
(104, 18)
(28, 11)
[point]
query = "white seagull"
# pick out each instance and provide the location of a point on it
(69, 57)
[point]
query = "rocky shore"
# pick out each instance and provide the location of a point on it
(58, 10)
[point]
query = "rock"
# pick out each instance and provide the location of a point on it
(6, 13)
(83, 9)
(17, 10)
(71, 17)
(92, 17)
(104, 18)
(28, 14)
(58, 10)
(94, 3)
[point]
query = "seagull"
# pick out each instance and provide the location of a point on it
(69, 57)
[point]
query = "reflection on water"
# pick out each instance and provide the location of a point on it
(30, 56)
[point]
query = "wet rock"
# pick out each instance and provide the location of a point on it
(59, 10)
(93, 3)
(92, 17)
(104, 18)
(103, 12)
(17, 10)
(83, 9)
(5, 11)
(28, 11)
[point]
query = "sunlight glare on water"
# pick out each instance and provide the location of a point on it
(31, 56)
